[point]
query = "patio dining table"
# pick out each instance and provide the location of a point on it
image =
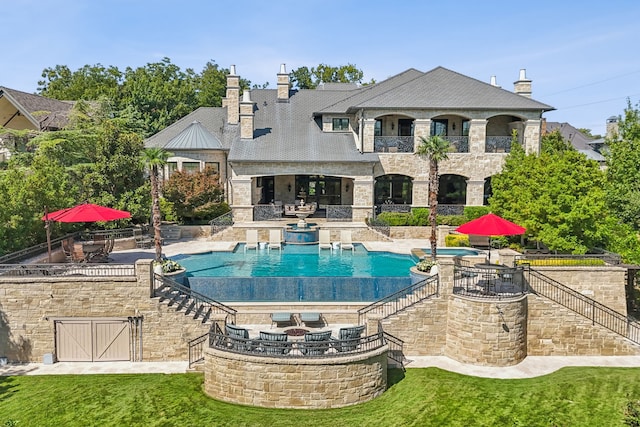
(491, 273)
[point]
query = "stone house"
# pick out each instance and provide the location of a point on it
(349, 148)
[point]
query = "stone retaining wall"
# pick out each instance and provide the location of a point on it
(28, 307)
(312, 383)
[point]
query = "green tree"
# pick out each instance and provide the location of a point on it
(160, 93)
(435, 148)
(305, 78)
(211, 85)
(155, 158)
(557, 196)
(623, 171)
(195, 195)
(90, 82)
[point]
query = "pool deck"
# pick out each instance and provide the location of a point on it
(195, 246)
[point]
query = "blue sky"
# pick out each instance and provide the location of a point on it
(582, 59)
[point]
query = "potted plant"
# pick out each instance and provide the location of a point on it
(170, 268)
(422, 270)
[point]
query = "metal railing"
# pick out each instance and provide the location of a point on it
(197, 345)
(401, 299)
(221, 223)
(488, 283)
(192, 301)
(596, 312)
(396, 347)
(339, 213)
(380, 226)
(498, 144)
(43, 270)
(569, 260)
(393, 144)
(116, 233)
(32, 251)
(333, 348)
(458, 144)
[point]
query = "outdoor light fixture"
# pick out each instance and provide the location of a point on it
(289, 187)
(347, 187)
(453, 126)
(392, 125)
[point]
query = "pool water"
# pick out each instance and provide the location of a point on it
(297, 261)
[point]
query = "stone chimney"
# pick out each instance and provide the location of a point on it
(493, 81)
(246, 116)
(612, 127)
(283, 84)
(232, 100)
(523, 85)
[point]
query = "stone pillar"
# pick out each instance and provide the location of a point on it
(477, 136)
(242, 207)
(144, 274)
(373, 324)
(368, 135)
(475, 193)
(421, 128)
(531, 137)
(445, 276)
(420, 196)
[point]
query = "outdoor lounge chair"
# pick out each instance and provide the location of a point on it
(324, 240)
(274, 343)
(310, 317)
(275, 240)
(142, 241)
(345, 241)
(238, 338)
(281, 317)
(348, 338)
(251, 240)
(315, 343)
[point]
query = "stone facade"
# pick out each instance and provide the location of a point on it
(306, 383)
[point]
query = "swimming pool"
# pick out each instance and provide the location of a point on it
(297, 261)
(300, 273)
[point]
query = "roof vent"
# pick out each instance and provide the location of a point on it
(232, 70)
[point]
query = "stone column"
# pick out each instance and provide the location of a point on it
(144, 274)
(475, 192)
(445, 276)
(531, 137)
(362, 207)
(421, 128)
(477, 136)
(242, 207)
(420, 196)
(368, 135)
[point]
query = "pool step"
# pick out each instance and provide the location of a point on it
(418, 253)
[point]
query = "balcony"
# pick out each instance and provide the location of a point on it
(393, 144)
(457, 144)
(498, 144)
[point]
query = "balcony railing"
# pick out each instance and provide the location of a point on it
(458, 144)
(393, 144)
(498, 144)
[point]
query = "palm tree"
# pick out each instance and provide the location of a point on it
(154, 158)
(435, 148)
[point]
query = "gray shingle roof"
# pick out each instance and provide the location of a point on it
(578, 140)
(194, 137)
(211, 118)
(43, 112)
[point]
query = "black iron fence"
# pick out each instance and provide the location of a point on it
(401, 299)
(42, 270)
(396, 348)
(33, 251)
(331, 348)
(488, 281)
(221, 223)
(197, 345)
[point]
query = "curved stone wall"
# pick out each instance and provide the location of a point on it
(312, 383)
(487, 332)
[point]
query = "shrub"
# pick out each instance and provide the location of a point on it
(425, 265)
(395, 218)
(456, 240)
(419, 216)
(473, 212)
(453, 220)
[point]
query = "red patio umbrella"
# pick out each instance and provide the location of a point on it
(85, 212)
(491, 225)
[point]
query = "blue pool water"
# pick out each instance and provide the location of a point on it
(296, 261)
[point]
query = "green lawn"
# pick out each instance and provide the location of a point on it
(418, 397)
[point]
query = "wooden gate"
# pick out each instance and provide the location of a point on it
(92, 340)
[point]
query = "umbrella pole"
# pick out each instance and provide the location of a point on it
(47, 225)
